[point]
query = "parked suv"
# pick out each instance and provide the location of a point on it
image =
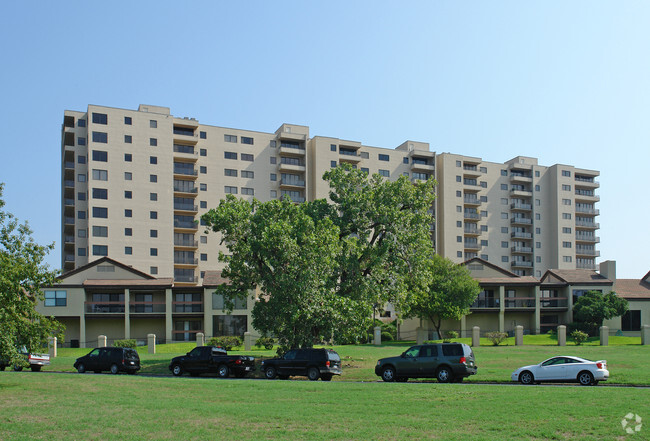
(109, 359)
(314, 363)
(447, 362)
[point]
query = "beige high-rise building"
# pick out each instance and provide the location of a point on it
(135, 183)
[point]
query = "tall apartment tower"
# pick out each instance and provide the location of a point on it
(135, 184)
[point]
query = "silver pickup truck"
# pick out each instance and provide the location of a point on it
(36, 362)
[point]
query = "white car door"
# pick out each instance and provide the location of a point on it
(552, 369)
(573, 368)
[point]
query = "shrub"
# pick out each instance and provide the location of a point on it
(386, 336)
(449, 335)
(128, 343)
(225, 342)
(496, 337)
(267, 342)
(551, 332)
(579, 337)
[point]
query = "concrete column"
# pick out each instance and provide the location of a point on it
(127, 316)
(519, 335)
(151, 343)
(169, 324)
(51, 346)
(604, 336)
(645, 334)
(421, 335)
(537, 328)
(502, 308)
(101, 341)
(200, 339)
(207, 313)
(377, 335)
(82, 331)
(463, 327)
(561, 335)
(476, 336)
(248, 341)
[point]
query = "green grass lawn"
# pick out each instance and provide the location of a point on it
(627, 363)
(101, 407)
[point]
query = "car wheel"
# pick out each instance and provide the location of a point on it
(313, 374)
(444, 375)
(17, 368)
(81, 368)
(585, 378)
(177, 370)
(526, 377)
(223, 371)
(36, 368)
(270, 373)
(114, 369)
(326, 377)
(388, 374)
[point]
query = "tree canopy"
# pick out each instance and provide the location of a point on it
(321, 266)
(592, 308)
(450, 292)
(22, 275)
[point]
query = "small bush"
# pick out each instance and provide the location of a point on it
(128, 343)
(496, 337)
(551, 332)
(225, 342)
(266, 342)
(449, 335)
(579, 337)
(386, 336)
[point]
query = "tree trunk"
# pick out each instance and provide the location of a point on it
(437, 325)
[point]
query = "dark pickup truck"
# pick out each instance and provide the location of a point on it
(212, 359)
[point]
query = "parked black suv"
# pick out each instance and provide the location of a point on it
(109, 359)
(314, 363)
(447, 362)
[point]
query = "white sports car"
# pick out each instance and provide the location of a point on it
(563, 369)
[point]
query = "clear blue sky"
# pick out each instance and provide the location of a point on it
(566, 82)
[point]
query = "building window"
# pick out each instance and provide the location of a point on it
(538, 202)
(333, 164)
(203, 187)
(538, 216)
(81, 214)
(100, 250)
(153, 196)
(204, 152)
(483, 184)
(230, 155)
(153, 142)
(153, 215)
(459, 178)
(81, 141)
(538, 259)
(537, 173)
(100, 137)
(504, 215)
(566, 201)
(128, 157)
(630, 321)
(247, 191)
(100, 193)
(153, 270)
(458, 164)
(566, 230)
(365, 170)
(504, 244)
(504, 259)
(483, 199)
(246, 140)
(81, 252)
(203, 204)
(203, 135)
(504, 187)
(153, 124)
(274, 160)
(203, 169)
(128, 212)
(567, 259)
(566, 215)
(566, 173)
(459, 254)
(204, 239)
(100, 175)
(153, 251)
(204, 256)
(81, 178)
(100, 212)
(247, 174)
(537, 188)
(128, 250)
(566, 244)
(566, 187)
(153, 233)
(538, 230)
(504, 230)
(274, 194)
(128, 194)
(81, 123)
(81, 159)
(81, 196)
(504, 172)
(538, 244)
(127, 120)
(247, 157)
(128, 176)
(230, 138)
(484, 228)
(230, 189)
(230, 172)
(100, 118)
(384, 173)
(332, 147)
(128, 139)
(459, 209)
(484, 243)
(384, 157)
(459, 224)
(81, 233)
(100, 231)
(272, 144)
(128, 232)
(484, 257)
(153, 160)
(56, 298)
(459, 238)
(153, 178)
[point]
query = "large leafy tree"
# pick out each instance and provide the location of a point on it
(451, 291)
(22, 275)
(322, 265)
(592, 308)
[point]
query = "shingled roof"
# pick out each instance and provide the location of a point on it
(575, 277)
(633, 288)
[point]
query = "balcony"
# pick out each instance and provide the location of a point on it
(68, 183)
(586, 181)
(191, 278)
(592, 211)
(471, 200)
(296, 199)
(69, 258)
(521, 207)
(554, 302)
(68, 165)
(471, 245)
(348, 155)
(471, 231)
(186, 152)
(68, 202)
(421, 165)
(187, 307)
(291, 149)
(581, 237)
(192, 261)
(104, 307)
(471, 171)
(287, 165)
(521, 264)
(521, 221)
(521, 235)
(147, 307)
(586, 265)
(471, 216)
(521, 250)
(185, 134)
(186, 207)
(520, 178)
(521, 192)
(186, 243)
(485, 304)
(185, 225)
(586, 195)
(586, 224)
(68, 220)
(185, 189)
(68, 239)
(292, 183)
(181, 172)
(520, 302)
(587, 252)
